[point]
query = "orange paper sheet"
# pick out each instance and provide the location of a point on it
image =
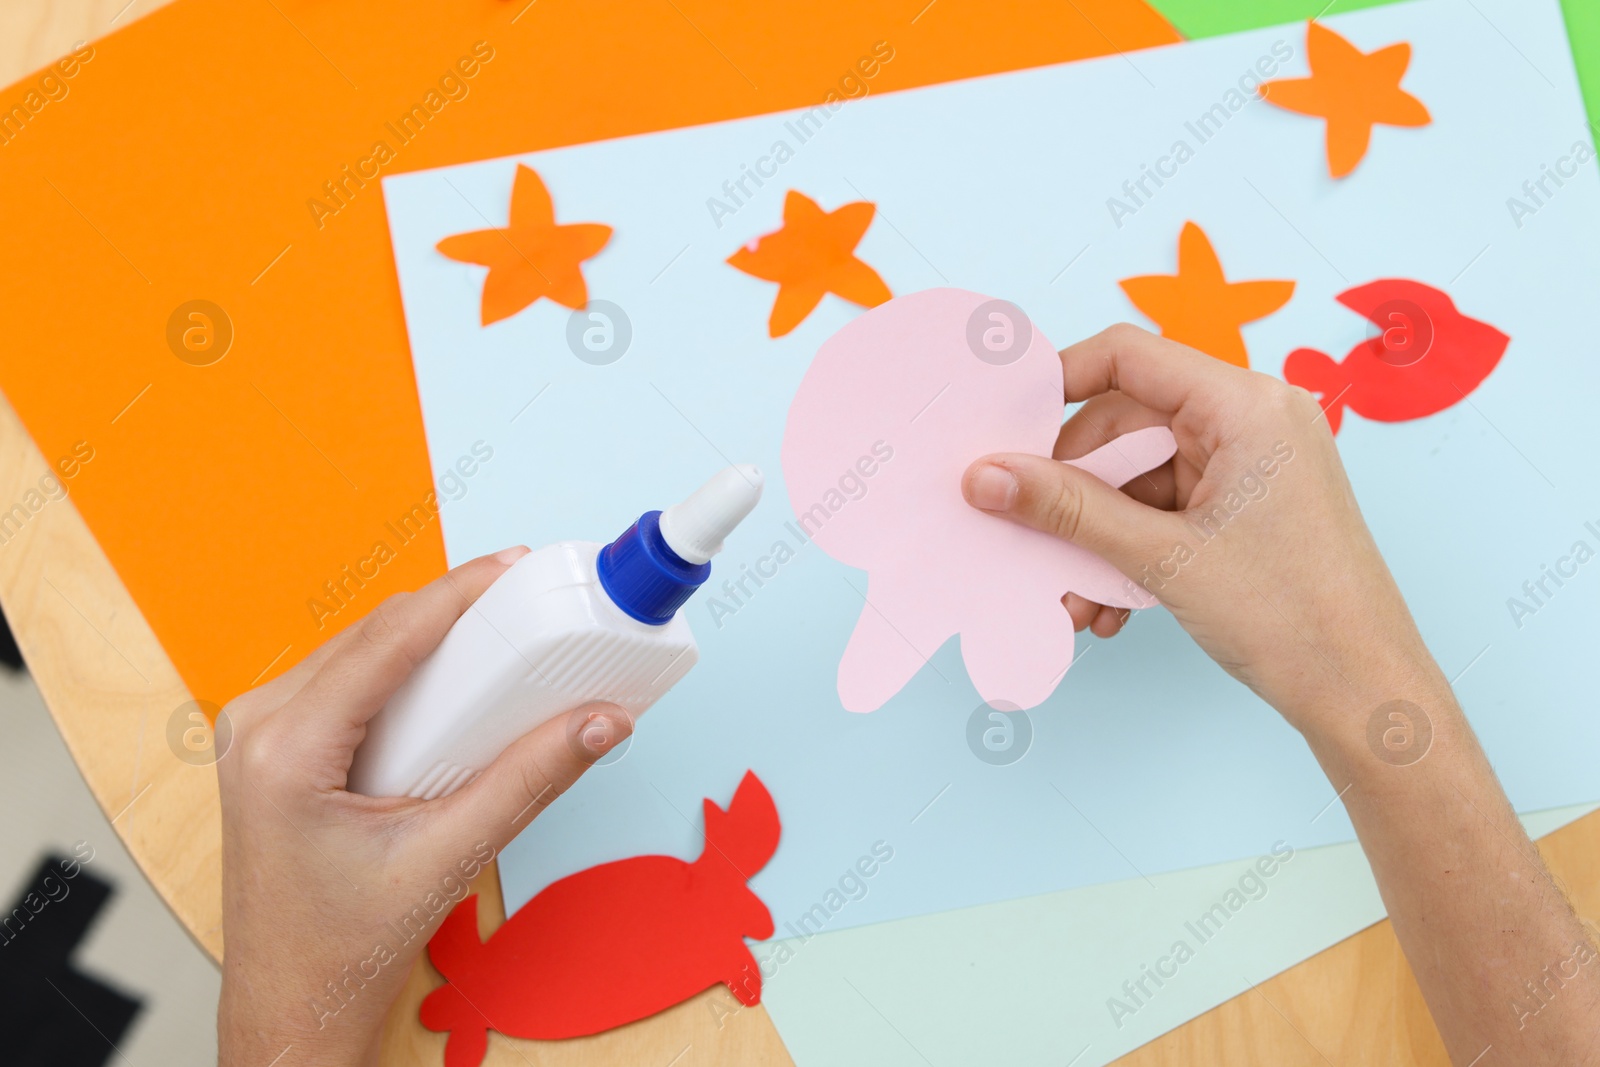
(231, 154)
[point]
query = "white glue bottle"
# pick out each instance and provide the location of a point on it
(568, 624)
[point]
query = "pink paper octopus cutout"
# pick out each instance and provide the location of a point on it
(893, 409)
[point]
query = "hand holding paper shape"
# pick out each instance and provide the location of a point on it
(612, 944)
(1198, 306)
(812, 256)
(893, 409)
(532, 256)
(1352, 90)
(1425, 357)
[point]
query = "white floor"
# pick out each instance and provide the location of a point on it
(135, 944)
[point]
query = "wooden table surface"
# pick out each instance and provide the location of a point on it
(112, 691)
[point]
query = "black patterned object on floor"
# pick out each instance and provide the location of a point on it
(10, 654)
(51, 1014)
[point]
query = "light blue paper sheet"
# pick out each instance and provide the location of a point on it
(1148, 758)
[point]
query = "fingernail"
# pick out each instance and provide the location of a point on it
(510, 555)
(992, 489)
(600, 734)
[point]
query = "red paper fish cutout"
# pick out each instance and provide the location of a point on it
(1426, 357)
(612, 944)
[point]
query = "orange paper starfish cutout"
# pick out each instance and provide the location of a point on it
(531, 257)
(1353, 91)
(813, 255)
(1198, 306)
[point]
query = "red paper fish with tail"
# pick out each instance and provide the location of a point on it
(612, 944)
(1425, 357)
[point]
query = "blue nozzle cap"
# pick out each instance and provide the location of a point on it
(644, 577)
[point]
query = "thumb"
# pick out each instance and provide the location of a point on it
(1072, 504)
(528, 776)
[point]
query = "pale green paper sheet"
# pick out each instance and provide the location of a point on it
(1027, 982)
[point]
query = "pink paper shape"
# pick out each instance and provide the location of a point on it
(902, 378)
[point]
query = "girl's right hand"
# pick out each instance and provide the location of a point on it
(1250, 535)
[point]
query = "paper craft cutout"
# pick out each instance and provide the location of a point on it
(894, 408)
(1198, 306)
(612, 944)
(1351, 89)
(532, 256)
(811, 256)
(1426, 356)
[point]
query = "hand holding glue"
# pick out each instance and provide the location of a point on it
(569, 624)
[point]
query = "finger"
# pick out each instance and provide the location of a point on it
(1083, 611)
(1157, 488)
(253, 706)
(529, 776)
(1071, 504)
(1109, 621)
(1158, 373)
(1102, 418)
(1111, 415)
(330, 712)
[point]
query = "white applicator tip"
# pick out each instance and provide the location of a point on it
(695, 528)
